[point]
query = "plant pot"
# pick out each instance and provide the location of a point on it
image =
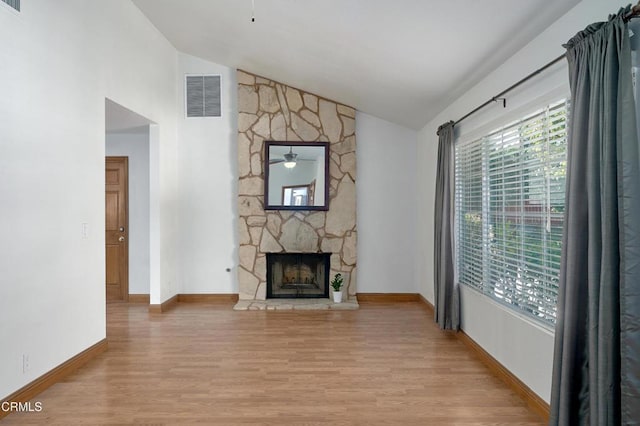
(337, 297)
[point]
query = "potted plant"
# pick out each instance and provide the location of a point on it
(336, 284)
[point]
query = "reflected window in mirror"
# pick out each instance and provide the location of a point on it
(296, 175)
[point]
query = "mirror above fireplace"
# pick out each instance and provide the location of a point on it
(296, 175)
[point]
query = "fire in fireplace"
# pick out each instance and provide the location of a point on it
(298, 275)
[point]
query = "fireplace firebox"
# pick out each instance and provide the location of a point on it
(298, 275)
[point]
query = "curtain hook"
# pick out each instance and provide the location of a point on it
(504, 101)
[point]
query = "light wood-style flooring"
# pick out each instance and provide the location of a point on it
(385, 364)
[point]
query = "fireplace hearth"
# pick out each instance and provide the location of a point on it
(298, 275)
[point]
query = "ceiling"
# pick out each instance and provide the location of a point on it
(277, 152)
(403, 61)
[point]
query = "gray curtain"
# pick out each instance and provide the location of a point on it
(596, 377)
(446, 290)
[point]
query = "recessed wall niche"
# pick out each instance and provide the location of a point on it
(268, 110)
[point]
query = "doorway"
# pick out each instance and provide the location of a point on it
(128, 263)
(116, 229)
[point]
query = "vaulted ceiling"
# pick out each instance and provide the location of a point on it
(403, 60)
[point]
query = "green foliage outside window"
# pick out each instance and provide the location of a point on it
(510, 206)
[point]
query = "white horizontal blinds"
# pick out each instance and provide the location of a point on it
(509, 208)
(469, 214)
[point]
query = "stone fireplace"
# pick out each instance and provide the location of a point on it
(272, 111)
(298, 275)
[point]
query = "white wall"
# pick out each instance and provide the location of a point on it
(523, 347)
(386, 194)
(207, 162)
(60, 62)
(135, 146)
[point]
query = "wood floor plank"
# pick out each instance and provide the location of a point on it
(384, 364)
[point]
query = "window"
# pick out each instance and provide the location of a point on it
(510, 189)
(13, 3)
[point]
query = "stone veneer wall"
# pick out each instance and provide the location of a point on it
(272, 111)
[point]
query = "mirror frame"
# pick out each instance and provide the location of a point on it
(327, 177)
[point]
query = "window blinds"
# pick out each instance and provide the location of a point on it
(509, 212)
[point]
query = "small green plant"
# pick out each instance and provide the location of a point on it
(336, 282)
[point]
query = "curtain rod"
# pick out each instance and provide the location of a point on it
(635, 12)
(499, 97)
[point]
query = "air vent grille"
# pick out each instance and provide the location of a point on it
(13, 3)
(203, 95)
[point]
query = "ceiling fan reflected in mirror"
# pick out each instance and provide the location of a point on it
(290, 159)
